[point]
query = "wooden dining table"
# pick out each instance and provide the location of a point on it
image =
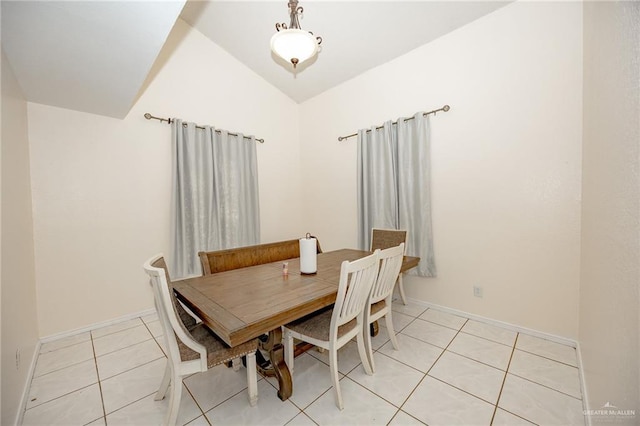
(242, 304)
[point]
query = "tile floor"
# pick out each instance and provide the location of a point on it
(449, 370)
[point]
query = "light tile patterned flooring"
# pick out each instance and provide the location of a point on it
(449, 370)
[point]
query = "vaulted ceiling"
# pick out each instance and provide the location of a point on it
(93, 56)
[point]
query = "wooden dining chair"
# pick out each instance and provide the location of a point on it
(190, 350)
(386, 238)
(334, 327)
(381, 295)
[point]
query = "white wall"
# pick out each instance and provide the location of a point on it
(19, 316)
(101, 186)
(610, 272)
(506, 160)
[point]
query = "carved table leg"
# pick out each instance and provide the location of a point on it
(273, 344)
(373, 328)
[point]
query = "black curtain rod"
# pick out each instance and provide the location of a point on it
(169, 121)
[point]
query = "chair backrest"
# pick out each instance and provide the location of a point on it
(385, 238)
(356, 279)
(166, 305)
(390, 264)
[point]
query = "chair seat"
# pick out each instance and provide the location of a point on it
(218, 352)
(317, 325)
(377, 307)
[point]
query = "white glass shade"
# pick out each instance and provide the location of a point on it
(294, 44)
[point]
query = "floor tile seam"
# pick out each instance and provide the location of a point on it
(62, 347)
(225, 400)
(160, 346)
(61, 368)
(504, 378)
(488, 340)
(95, 359)
(401, 362)
(124, 347)
(546, 357)
(419, 340)
(409, 315)
(407, 414)
(514, 414)
(306, 415)
(194, 400)
(128, 370)
(441, 325)
(127, 347)
(476, 360)
(117, 331)
(128, 404)
(315, 399)
(429, 370)
(143, 325)
(485, 338)
(60, 396)
(374, 393)
(545, 386)
(493, 404)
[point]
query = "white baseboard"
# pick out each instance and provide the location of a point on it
(90, 327)
(583, 387)
(547, 336)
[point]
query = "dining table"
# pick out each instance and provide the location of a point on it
(241, 304)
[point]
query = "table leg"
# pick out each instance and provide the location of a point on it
(373, 328)
(273, 344)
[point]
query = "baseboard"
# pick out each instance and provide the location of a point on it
(27, 385)
(583, 387)
(547, 336)
(90, 327)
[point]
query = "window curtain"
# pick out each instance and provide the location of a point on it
(214, 201)
(394, 186)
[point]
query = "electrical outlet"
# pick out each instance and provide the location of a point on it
(18, 359)
(477, 291)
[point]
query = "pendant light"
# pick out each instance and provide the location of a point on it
(291, 43)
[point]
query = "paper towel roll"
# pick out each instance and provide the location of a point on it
(308, 254)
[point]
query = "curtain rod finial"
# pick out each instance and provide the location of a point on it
(147, 116)
(446, 108)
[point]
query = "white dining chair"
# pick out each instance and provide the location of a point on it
(190, 350)
(334, 327)
(386, 238)
(381, 295)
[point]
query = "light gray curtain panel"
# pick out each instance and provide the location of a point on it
(394, 186)
(214, 202)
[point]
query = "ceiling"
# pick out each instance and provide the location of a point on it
(94, 56)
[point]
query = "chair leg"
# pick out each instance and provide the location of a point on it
(392, 332)
(164, 384)
(335, 377)
(368, 347)
(174, 403)
(288, 350)
(401, 288)
(362, 351)
(252, 379)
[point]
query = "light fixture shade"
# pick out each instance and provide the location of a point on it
(294, 45)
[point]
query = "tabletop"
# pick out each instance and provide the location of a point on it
(242, 304)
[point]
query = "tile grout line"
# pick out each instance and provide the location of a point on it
(495, 407)
(95, 359)
(430, 368)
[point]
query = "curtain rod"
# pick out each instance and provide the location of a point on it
(169, 121)
(444, 108)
